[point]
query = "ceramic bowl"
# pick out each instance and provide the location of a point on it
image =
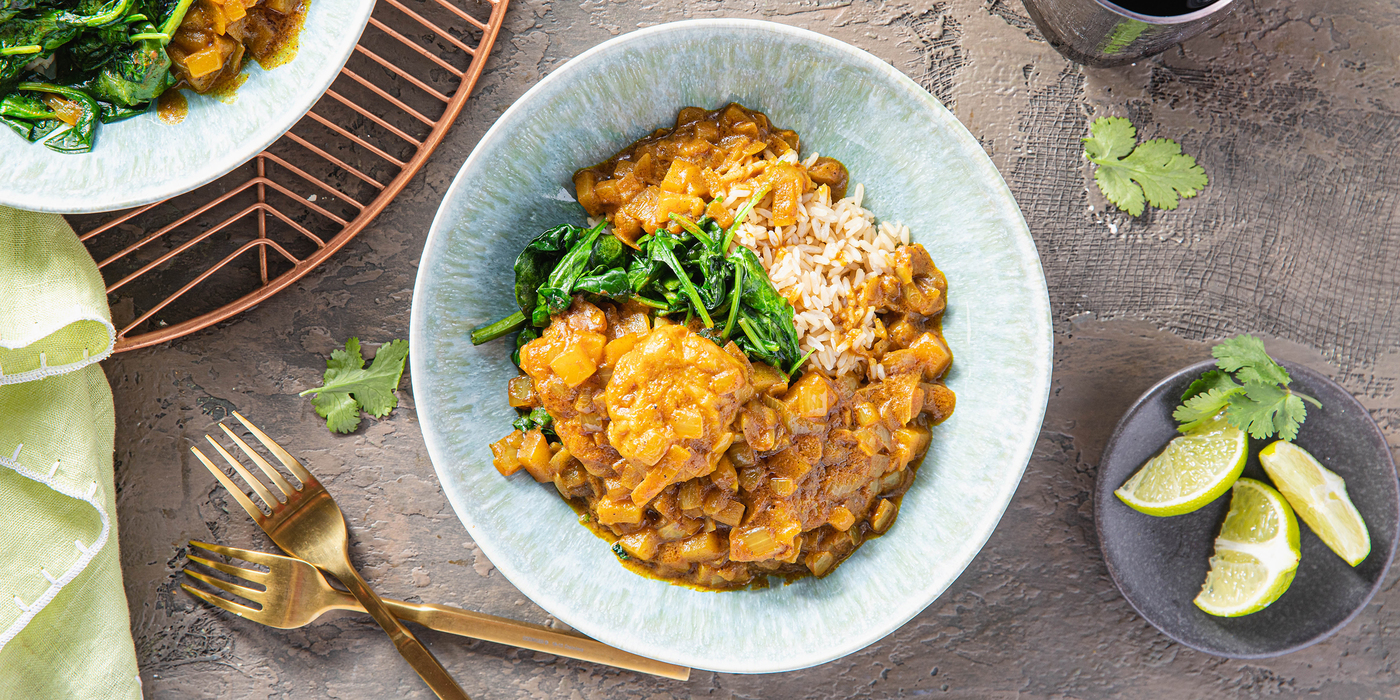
(919, 166)
(143, 159)
(1160, 563)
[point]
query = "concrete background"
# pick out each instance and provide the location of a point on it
(1293, 109)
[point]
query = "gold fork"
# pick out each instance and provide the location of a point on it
(295, 594)
(310, 527)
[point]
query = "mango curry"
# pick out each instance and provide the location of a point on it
(701, 466)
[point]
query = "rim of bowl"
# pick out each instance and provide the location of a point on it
(989, 175)
(1219, 6)
(1099, 485)
(304, 100)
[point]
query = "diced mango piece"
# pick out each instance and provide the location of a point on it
(642, 545)
(619, 512)
(613, 351)
(534, 456)
(731, 514)
(521, 392)
(703, 546)
(841, 518)
(685, 177)
(819, 562)
(204, 62)
(691, 495)
(574, 366)
(505, 453)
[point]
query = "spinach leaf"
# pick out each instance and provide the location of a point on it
(22, 107)
(110, 58)
(557, 292)
(21, 127)
(137, 74)
(766, 317)
(44, 128)
(611, 283)
(607, 273)
(115, 113)
(527, 334)
(10, 8)
(533, 265)
(79, 137)
(662, 248)
(608, 252)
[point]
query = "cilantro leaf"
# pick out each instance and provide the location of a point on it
(1213, 379)
(341, 412)
(349, 385)
(1245, 356)
(1156, 172)
(1110, 138)
(1256, 399)
(1264, 409)
(1118, 187)
(1202, 408)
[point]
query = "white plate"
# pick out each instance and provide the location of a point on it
(919, 166)
(143, 160)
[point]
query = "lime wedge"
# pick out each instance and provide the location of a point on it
(1320, 497)
(1193, 470)
(1256, 553)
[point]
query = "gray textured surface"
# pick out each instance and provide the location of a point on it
(1293, 110)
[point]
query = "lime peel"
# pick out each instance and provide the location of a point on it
(1247, 576)
(1191, 471)
(1320, 498)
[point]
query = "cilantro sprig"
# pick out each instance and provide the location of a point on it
(1250, 388)
(1156, 172)
(349, 385)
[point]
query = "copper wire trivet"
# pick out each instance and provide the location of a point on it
(186, 263)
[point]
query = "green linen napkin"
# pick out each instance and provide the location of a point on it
(64, 628)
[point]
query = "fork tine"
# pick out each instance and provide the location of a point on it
(253, 511)
(249, 555)
(252, 594)
(238, 609)
(267, 468)
(282, 455)
(271, 500)
(236, 571)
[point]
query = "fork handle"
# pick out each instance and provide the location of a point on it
(528, 636)
(412, 650)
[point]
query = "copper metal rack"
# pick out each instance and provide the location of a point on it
(186, 263)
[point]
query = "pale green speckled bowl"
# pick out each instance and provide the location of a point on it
(919, 165)
(143, 160)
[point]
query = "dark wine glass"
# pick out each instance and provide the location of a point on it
(1102, 33)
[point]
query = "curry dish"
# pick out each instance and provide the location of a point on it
(702, 464)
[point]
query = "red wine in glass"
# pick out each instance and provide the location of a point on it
(1162, 8)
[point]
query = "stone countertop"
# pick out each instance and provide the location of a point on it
(1293, 109)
